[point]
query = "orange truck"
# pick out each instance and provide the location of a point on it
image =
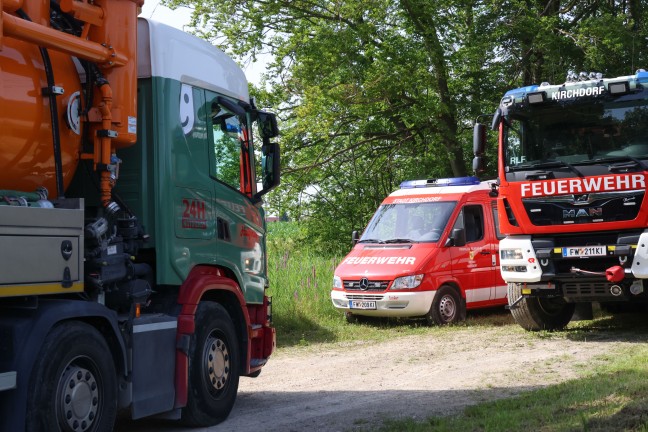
(430, 251)
(572, 163)
(133, 270)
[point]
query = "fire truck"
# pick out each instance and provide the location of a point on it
(429, 251)
(132, 239)
(572, 166)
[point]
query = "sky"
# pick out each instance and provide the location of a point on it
(180, 17)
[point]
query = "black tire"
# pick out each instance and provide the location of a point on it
(446, 307)
(214, 367)
(74, 384)
(352, 318)
(539, 313)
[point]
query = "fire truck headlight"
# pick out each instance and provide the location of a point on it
(507, 254)
(407, 282)
(518, 269)
(337, 282)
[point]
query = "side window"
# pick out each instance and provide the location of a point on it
(472, 219)
(498, 234)
(227, 147)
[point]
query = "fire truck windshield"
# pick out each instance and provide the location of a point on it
(576, 132)
(408, 222)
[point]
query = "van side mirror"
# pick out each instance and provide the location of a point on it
(479, 148)
(355, 236)
(457, 238)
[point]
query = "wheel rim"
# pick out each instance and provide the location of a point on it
(217, 363)
(78, 396)
(447, 308)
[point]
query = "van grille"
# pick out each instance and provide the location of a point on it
(364, 297)
(354, 285)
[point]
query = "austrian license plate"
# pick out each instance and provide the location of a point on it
(362, 304)
(584, 251)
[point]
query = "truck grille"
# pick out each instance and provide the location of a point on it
(584, 208)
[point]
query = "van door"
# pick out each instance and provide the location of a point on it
(472, 264)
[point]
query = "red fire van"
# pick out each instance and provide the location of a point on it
(430, 250)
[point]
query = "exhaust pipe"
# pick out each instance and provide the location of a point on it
(616, 290)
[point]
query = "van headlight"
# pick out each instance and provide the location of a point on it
(337, 282)
(407, 282)
(507, 254)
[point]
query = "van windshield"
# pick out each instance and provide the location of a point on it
(410, 222)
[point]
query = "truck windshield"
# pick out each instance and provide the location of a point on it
(578, 132)
(410, 222)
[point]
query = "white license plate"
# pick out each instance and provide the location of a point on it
(584, 251)
(359, 304)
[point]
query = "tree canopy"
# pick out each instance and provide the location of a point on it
(373, 93)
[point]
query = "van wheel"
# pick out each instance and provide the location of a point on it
(446, 308)
(539, 313)
(74, 386)
(352, 318)
(213, 367)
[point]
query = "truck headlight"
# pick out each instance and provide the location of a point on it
(407, 282)
(511, 254)
(337, 282)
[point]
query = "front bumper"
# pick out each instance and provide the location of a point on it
(388, 304)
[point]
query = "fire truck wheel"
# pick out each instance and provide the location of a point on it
(74, 387)
(536, 313)
(446, 308)
(213, 367)
(352, 318)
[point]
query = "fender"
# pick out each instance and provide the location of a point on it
(30, 328)
(201, 279)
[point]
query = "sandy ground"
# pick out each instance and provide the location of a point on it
(357, 386)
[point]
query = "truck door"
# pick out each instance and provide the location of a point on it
(473, 264)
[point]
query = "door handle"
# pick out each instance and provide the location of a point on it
(485, 252)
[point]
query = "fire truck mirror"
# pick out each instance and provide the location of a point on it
(479, 164)
(458, 237)
(355, 236)
(479, 139)
(267, 125)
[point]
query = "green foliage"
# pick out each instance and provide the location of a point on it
(373, 93)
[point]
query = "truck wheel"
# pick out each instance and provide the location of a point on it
(213, 367)
(74, 385)
(538, 313)
(446, 308)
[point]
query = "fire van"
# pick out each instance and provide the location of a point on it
(430, 250)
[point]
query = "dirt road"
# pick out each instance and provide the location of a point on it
(357, 386)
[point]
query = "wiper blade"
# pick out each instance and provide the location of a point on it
(399, 240)
(621, 159)
(552, 164)
(370, 241)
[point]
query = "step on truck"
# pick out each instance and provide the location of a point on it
(132, 238)
(430, 251)
(572, 164)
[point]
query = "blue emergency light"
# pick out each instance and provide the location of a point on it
(454, 181)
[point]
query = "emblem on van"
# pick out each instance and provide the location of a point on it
(364, 284)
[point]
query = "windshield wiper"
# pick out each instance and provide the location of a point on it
(399, 240)
(613, 167)
(553, 164)
(370, 241)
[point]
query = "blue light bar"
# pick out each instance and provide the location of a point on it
(454, 181)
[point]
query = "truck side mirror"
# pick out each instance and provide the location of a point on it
(270, 167)
(267, 125)
(457, 238)
(479, 139)
(479, 164)
(355, 236)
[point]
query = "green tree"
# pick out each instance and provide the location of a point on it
(373, 93)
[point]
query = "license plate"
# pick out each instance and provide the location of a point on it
(584, 251)
(358, 304)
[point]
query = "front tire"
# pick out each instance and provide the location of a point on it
(446, 308)
(214, 367)
(539, 313)
(74, 384)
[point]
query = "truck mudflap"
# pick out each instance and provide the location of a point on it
(23, 332)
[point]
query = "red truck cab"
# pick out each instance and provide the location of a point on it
(430, 250)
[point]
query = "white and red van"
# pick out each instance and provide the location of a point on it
(430, 250)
